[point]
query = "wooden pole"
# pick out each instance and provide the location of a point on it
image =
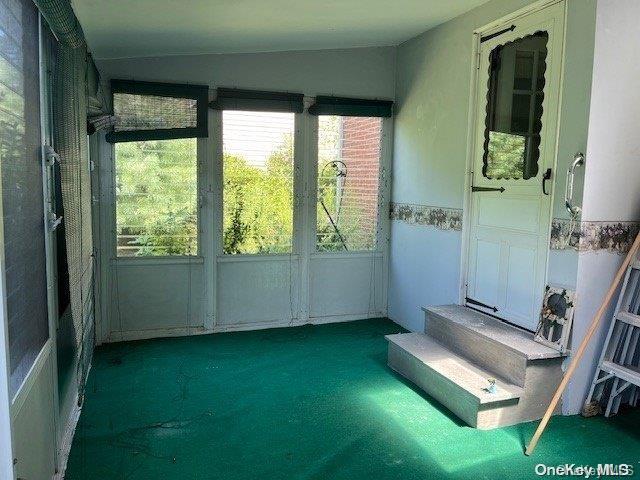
(585, 341)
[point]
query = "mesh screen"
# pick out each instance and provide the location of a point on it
(151, 112)
(23, 210)
(70, 141)
(157, 197)
(258, 181)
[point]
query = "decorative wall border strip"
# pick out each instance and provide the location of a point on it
(438, 217)
(587, 236)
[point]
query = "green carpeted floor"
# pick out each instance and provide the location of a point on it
(309, 402)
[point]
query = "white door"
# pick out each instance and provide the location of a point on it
(517, 89)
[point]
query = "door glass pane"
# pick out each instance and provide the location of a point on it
(514, 108)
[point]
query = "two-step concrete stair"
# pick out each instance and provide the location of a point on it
(461, 350)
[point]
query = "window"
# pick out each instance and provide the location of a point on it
(348, 165)
(514, 110)
(258, 182)
(156, 198)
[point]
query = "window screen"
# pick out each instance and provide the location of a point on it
(23, 204)
(348, 187)
(158, 111)
(258, 182)
(156, 198)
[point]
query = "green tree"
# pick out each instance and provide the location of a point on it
(156, 192)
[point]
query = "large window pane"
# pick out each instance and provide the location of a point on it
(258, 182)
(348, 165)
(156, 198)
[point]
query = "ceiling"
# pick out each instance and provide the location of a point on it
(138, 28)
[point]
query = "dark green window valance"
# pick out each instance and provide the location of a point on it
(257, 100)
(351, 107)
(158, 111)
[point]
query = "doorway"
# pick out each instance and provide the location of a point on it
(514, 147)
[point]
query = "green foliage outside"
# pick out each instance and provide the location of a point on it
(258, 203)
(156, 190)
(506, 155)
(156, 207)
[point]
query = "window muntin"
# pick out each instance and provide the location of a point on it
(156, 198)
(258, 167)
(349, 150)
(514, 108)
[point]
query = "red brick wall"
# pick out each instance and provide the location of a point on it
(361, 138)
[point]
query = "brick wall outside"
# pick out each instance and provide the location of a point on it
(360, 150)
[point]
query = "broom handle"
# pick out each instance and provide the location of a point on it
(585, 341)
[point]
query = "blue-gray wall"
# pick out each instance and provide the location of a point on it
(433, 74)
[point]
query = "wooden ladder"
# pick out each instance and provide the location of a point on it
(618, 370)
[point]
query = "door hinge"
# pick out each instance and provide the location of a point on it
(480, 304)
(497, 34)
(487, 189)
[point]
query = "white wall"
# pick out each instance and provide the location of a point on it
(360, 72)
(432, 95)
(612, 171)
(148, 298)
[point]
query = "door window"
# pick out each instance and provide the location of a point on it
(514, 108)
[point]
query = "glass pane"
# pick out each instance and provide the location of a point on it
(23, 205)
(156, 198)
(258, 182)
(348, 166)
(514, 109)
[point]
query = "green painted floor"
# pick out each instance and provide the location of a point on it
(309, 402)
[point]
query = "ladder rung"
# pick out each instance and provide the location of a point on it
(629, 318)
(627, 373)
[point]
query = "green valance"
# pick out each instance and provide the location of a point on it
(351, 107)
(158, 111)
(257, 100)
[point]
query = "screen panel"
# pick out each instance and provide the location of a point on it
(22, 197)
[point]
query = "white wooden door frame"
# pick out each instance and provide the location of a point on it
(472, 118)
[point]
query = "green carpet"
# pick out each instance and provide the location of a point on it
(300, 403)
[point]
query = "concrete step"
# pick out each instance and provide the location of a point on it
(486, 341)
(453, 380)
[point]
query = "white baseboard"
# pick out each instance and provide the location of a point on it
(240, 327)
(131, 335)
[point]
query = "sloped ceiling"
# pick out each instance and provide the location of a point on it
(138, 28)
